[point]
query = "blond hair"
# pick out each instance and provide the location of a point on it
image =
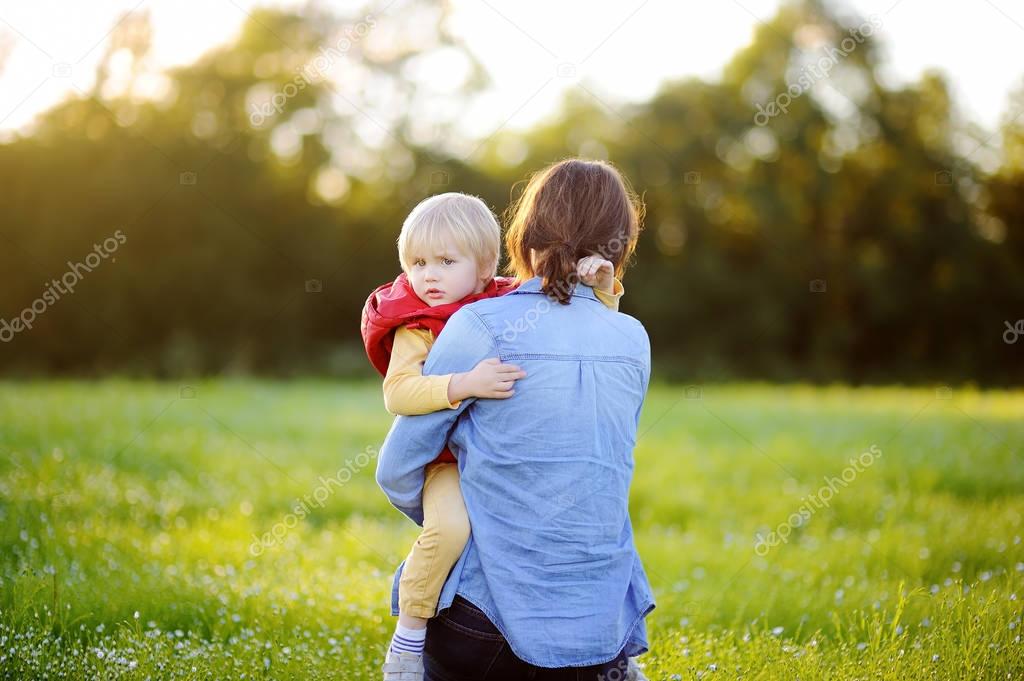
(464, 219)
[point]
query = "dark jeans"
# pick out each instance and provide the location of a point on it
(463, 645)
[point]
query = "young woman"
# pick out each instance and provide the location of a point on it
(550, 585)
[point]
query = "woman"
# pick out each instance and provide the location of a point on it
(550, 585)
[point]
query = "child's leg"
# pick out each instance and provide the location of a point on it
(437, 549)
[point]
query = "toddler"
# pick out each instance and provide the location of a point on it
(448, 248)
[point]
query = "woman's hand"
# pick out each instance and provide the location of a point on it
(489, 379)
(595, 271)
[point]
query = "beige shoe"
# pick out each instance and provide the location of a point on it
(403, 667)
(633, 672)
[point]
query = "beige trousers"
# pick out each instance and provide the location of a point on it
(437, 549)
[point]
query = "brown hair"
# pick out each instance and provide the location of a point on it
(570, 210)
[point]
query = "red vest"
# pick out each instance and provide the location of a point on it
(395, 304)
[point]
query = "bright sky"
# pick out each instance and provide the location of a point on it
(620, 50)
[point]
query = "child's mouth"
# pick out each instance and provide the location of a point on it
(435, 293)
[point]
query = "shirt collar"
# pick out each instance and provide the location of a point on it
(533, 285)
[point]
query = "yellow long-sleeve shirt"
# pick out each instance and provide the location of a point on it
(408, 392)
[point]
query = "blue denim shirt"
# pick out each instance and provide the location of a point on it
(545, 474)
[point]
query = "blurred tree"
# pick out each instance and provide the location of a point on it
(808, 222)
(251, 187)
(804, 221)
(1003, 224)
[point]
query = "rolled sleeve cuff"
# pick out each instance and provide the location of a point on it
(611, 299)
(439, 393)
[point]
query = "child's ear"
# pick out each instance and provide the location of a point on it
(486, 273)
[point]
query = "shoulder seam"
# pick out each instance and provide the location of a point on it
(486, 327)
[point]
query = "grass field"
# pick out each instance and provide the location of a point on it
(151, 530)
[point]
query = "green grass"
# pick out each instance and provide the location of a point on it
(128, 512)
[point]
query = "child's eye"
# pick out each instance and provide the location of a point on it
(419, 262)
(448, 261)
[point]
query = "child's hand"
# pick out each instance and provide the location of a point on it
(597, 272)
(489, 379)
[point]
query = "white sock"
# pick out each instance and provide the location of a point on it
(408, 640)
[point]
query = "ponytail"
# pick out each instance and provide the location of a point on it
(557, 270)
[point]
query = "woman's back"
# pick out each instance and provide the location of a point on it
(546, 474)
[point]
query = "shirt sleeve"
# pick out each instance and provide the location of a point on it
(611, 300)
(645, 357)
(407, 390)
(415, 441)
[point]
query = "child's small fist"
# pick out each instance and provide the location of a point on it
(595, 271)
(491, 379)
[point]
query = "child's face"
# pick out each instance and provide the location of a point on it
(444, 277)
